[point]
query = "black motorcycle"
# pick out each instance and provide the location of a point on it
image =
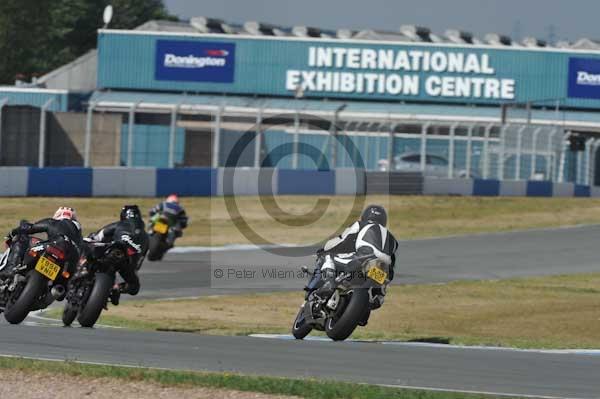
(158, 233)
(90, 288)
(38, 281)
(350, 304)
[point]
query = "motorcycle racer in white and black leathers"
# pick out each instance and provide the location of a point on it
(368, 233)
(131, 230)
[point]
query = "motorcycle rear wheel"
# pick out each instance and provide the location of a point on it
(88, 316)
(16, 312)
(341, 326)
(156, 247)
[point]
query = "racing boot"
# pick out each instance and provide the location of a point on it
(115, 295)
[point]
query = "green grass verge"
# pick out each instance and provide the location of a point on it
(310, 388)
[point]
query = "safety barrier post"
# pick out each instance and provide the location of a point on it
(486, 150)
(549, 160)
(533, 162)
(451, 151)
(502, 151)
(469, 149)
(173, 135)
(217, 138)
(42, 143)
(519, 151)
(130, 131)
(423, 156)
(296, 138)
(3, 102)
(563, 155)
(589, 144)
(88, 135)
(258, 140)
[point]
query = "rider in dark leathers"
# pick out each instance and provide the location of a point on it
(131, 230)
(367, 234)
(171, 206)
(62, 226)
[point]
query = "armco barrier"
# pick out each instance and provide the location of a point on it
(437, 186)
(396, 183)
(13, 181)
(513, 188)
(247, 181)
(68, 182)
(563, 190)
(186, 181)
(124, 182)
(349, 181)
(302, 182)
(151, 182)
(486, 188)
(582, 191)
(539, 189)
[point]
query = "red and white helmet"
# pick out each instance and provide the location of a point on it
(65, 212)
(173, 198)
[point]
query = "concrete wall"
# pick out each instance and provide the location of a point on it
(152, 182)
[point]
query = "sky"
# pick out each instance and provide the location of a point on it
(544, 19)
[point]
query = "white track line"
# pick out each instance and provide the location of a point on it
(56, 322)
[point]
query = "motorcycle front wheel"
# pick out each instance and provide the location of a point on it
(301, 328)
(69, 314)
(97, 300)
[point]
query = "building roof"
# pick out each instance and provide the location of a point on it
(405, 33)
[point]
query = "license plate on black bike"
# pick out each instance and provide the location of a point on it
(161, 228)
(47, 268)
(376, 274)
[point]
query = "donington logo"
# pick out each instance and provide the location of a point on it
(212, 58)
(588, 79)
(195, 61)
(584, 78)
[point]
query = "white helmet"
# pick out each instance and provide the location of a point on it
(65, 212)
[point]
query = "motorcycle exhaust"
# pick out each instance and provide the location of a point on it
(58, 292)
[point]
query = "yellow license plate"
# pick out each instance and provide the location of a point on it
(48, 268)
(161, 228)
(377, 275)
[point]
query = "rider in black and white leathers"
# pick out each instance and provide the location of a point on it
(367, 233)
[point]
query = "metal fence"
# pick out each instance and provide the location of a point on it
(218, 136)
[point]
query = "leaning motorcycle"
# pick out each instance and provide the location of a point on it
(160, 224)
(37, 282)
(350, 304)
(89, 290)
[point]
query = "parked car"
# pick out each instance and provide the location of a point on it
(435, 165)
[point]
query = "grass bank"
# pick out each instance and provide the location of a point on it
(291, 219)
(311, 389)
(541, 312)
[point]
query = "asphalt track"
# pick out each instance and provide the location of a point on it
(541, 374)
